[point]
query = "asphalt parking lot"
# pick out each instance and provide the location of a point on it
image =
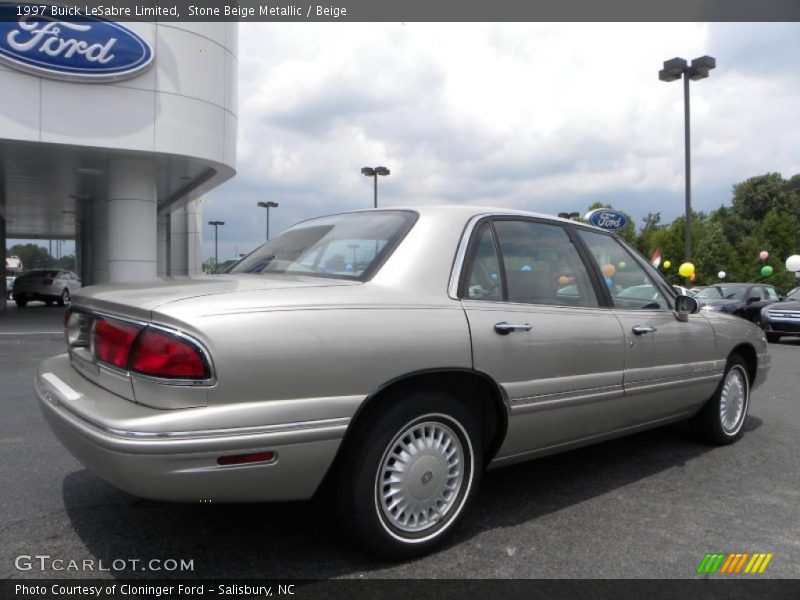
(647, 506)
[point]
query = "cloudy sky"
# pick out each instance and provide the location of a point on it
(545, 117)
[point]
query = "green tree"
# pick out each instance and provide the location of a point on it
(32, 256)
(755, 197)
(209, 265)
(66, 262)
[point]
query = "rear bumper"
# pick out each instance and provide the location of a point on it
(181, 464)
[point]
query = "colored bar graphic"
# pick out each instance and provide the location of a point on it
(734, 563)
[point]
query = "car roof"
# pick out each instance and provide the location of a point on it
(468, 211)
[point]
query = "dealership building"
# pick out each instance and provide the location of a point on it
(110, 134)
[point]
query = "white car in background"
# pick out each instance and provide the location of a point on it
(47, 285)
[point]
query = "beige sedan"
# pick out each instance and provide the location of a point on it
(387, 358)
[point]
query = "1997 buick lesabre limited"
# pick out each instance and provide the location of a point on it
(393, 354)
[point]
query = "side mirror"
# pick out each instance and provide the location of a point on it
(686, 305)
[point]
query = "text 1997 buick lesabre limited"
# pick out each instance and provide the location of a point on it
(395, 354)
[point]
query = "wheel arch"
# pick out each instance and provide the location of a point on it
(463, 383)
(748, 353)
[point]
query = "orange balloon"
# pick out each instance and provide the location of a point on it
(563, 280)
(692, 277)
(609, 270)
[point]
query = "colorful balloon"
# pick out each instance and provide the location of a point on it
(622, 264)
(793, 263)
(667, 264)
(686, 269)
(766, 271)
(609, 270)
(721, 274)
(763, 255)
(563, 280)
(693, 276)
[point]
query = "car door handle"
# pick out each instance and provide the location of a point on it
(640, 329)
(504, 328)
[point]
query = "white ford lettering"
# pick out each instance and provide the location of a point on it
(47, 38)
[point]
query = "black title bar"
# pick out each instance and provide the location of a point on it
(410, 10)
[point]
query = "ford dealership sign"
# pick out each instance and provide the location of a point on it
(607, 219)
(90, 50)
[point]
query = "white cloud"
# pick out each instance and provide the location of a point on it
(540, 116)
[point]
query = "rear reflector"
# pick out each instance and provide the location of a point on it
(241, 459)
(161, 354)
(113, 341)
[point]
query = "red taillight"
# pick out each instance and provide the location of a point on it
(113, 341)
(242, 459)
(162, 354)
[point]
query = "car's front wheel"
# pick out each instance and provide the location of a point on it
(721, 420)
(21, 301)
(409, 473)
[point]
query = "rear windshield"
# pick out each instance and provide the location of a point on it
(347, 246)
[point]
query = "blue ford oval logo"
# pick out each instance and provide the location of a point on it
(605, 218)
(89, 49)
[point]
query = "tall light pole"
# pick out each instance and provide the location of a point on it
(673, 70)
(374, 172)
(268, 205)
(216, 225)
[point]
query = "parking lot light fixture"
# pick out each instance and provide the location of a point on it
(674, 69)
(216, 225)
(374, 172)
(268, 205)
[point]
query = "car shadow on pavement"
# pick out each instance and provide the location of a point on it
(300, 540)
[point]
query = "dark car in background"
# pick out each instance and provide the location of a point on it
(782, 318)
(741, 299)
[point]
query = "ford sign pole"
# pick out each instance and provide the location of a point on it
(698, 69)
(216, 225)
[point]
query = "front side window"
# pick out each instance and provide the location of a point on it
(630, 286)
(348, 246)
(771, 293)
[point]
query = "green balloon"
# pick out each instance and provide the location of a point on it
(766, 271)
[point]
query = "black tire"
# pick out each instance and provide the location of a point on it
(773, 338)
(49, 301)
(709, 423)
(63, 299)
(21, 302)
(371, 455)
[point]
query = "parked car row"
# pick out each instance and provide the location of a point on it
(47, 285)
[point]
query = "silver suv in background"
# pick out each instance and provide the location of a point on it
(47, 285)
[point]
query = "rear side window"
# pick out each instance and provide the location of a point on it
(542, 266)
(771, 293)
(536, 264)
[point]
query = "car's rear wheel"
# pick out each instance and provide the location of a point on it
(721, 420)
(64, 298)
(409, 473)
(773, 338)
(21, 301)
